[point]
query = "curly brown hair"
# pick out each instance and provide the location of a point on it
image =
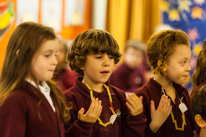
(92, 41)
(199, 74)
(162, 45)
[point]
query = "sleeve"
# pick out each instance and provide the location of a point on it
(134, 125)
(13, 117)
(75, 127)
(146, 112)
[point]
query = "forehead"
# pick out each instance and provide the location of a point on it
(181, 52)
(48, 45)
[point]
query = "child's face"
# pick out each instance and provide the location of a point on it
(177, 67)
(61, 55)
(98, 68)
(133, 57)
(44, 60)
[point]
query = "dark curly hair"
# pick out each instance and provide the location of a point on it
(92, 41)
(162, 45)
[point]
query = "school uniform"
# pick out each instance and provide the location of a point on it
(127, 79)
(65, 78)
(195, 133)
(125, 125)
(152, 90)
(20, 116)
(196, 88)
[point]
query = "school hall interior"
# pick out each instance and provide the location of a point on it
(124, 19)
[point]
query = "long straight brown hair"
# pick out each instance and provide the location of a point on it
(24, 42)
(199, 74)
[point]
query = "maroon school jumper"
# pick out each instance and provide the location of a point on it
(21, 117)
(65, 78)
(196, 88)
(124, 126)
(128, 79)
(152, 91)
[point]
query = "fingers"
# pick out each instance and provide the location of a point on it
(95, 107)
(134, 104)
(80, 113)
(164, 105)
(164, 102)
(152, 106)
(133, 100)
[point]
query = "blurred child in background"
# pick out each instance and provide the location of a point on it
(199, 75)
(129, 76)
(64, 77)
(198, 106)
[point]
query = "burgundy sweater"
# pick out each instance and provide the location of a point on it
(152, 91)
(124, 126)
(21, 117)
(65, 79)
(127, 79)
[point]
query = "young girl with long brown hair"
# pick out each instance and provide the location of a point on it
(30, 104)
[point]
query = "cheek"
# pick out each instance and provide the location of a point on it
(61, 58)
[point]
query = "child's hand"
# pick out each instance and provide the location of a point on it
(134, 104)
(159, 116)
(93, 112)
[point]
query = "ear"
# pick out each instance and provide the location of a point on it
(17, 52)
(200, 122)
(82, 68)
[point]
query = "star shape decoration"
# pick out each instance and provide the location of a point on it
(197, 48)
(197, 12)
(184, 5)
(173, 15)
(193, 34)
(164, 6)
(200, 2)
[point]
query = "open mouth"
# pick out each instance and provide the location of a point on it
(105, 72)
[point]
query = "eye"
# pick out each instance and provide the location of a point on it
(46, 56)
(98, 57)
(183, 62)
(111, 57)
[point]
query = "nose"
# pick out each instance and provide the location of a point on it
(54, 60)
(106, 61)
(188, 67)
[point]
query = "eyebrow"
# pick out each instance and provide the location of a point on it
(50, 51)
(185, 58)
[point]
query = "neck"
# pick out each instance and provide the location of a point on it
(98, 87)
(202, 133)
(162, 80)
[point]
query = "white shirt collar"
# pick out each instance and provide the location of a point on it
(45, 90)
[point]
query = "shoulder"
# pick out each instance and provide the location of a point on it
(71, 91)
(117, 90)
(17, 101)
(197, 88)
(143, 90)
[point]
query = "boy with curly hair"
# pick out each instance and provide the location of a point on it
(100, 109)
